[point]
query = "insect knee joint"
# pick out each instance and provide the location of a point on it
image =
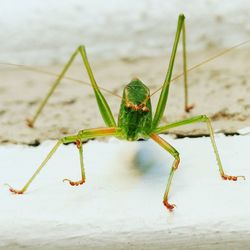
(78, 143)
(182, 16)
(204, 118)
(177, 160)
(176, 163)
(63, 140)
(81, 47)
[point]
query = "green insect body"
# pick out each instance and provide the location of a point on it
(135, 119)
(135, 116)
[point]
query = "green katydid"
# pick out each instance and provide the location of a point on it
(135, 120)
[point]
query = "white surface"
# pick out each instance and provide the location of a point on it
(42, 32)
(244, 131)
(120, 205)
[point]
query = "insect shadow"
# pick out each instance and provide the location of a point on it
(149, 163)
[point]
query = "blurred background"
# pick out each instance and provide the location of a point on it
(42, 32)
(123, 39)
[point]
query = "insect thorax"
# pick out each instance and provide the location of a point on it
(135, 116)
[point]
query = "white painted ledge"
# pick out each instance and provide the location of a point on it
(120, 206)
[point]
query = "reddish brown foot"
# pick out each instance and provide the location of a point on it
(170, 207)
(14, 191)
(189, 107)
(232, 178)
(29, 123)
(74, 183)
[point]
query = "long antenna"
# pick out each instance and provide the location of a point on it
(54, 74)
(206, 61)
(114, 94)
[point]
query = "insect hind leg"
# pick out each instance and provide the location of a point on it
(101, 101)
(165, 88)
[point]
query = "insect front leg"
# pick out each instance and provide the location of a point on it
(76, 183)
(205, 119)
(82, 135)
(175, 165)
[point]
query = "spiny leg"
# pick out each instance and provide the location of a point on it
(102, 103)
(175, 165)
(82, 135)
(165, 88)
(201, 118)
